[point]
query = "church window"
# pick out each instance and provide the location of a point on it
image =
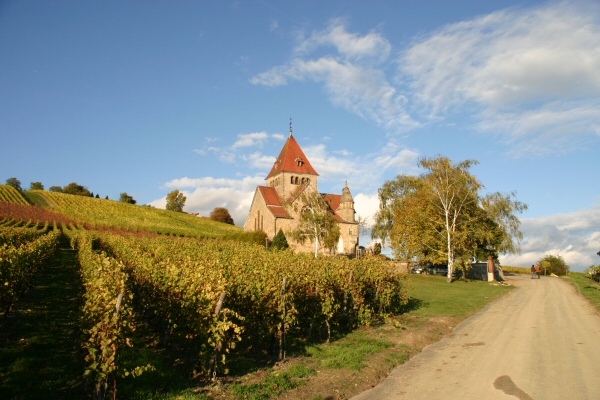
(292, 180)
(296, 181)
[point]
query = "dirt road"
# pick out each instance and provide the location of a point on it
(541, 342)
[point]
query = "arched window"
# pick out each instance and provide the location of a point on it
(292, 180)
(296, 180)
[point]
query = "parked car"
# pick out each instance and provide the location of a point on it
(437, 269)
(417, 269)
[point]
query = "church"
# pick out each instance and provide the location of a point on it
(291, 176)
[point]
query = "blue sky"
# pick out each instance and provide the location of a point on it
(145, 97)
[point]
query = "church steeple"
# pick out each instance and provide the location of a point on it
(292, 159)
(346, 209)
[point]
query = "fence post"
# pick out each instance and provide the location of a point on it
(282, 329)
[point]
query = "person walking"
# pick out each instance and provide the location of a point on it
(538, 270)
(532, 271)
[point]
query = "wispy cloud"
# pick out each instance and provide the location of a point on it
(229, 154)
(528, 76)
(531, 76)
(352, 74)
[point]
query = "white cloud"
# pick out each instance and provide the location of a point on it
(575, 236)
(350, 76)
(350, 45)
(260, 161)
(250, 140)
(204, 194)
(531, 75)
(366, 205)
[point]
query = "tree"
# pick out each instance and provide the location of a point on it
(280, 241)
(36, 186)
(316, 221)
(221, 214)
(98, 196)
(175, 201)
(56, 189)
(438, 216)
(76, 189)
(362, 225)
(125, 198)
(14, 182)
(554, 264)
(501, 209)
(376, 248)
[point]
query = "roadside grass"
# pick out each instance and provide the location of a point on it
(432, 296)
(349, 352)
(587, 287)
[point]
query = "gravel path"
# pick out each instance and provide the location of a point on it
(541, 341)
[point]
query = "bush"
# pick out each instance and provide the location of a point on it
(554, 264)
(594, 272)
(280, 241)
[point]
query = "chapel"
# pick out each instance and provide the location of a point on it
(291, 176)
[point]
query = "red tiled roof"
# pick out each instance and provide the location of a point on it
(292, 159)
(333, 200)
(273, 202)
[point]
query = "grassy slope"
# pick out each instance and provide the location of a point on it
(587, 287)
(102, 212)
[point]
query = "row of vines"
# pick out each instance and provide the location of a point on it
(211, 298)
(23, 252)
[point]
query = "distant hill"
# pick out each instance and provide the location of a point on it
(111, 213)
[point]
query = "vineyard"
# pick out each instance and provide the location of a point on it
(208, 301)
(101, 214)
(11, 195)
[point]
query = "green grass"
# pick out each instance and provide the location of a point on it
(274, 384)
(35, 198)
(349, 352)
(433, 296)
(587, 287)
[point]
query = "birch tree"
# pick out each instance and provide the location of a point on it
(316, 221)
(439, 216)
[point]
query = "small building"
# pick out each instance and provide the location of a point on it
(291, 176)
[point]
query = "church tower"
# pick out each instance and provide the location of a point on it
(291, 170)
(346, 209)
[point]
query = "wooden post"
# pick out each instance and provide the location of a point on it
(282, 328)
(490, 263)
(212, 368)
